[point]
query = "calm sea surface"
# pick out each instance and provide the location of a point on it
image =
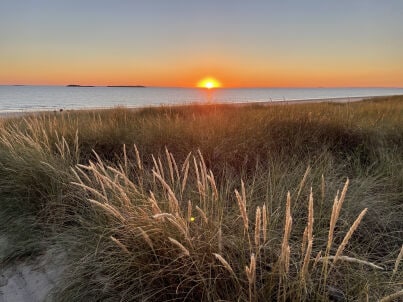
(36, 98)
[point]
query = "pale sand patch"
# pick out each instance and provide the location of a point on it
(29, 281)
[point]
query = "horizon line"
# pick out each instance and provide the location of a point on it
(191, 87)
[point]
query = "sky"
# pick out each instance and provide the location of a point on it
(175, 43)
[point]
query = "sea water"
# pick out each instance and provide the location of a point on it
(38, 98)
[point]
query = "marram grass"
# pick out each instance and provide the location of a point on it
(210, 203)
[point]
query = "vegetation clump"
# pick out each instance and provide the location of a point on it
(210, 202)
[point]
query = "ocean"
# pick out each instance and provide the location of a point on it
(41, 98)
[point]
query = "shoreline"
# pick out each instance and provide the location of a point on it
(339, 100)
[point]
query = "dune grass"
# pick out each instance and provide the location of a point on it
(210, 202)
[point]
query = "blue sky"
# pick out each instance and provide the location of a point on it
(165, 43)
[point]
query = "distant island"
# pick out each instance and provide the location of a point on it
(120, 86)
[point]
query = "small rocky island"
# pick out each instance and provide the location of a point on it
(114, 86)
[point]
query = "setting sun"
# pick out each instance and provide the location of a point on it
(208, 83)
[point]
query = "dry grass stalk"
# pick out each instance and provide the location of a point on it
(162, 174)
(349, 234)
(224, 263)
(304, 240)
(242, 209)
(163, 216)
(170, 165)
(398, 259)
(284, 260)
(181, 226)
(138, 159)
(175, 166)
(338, 203)
(156, 167)
(120, 244)
(309, 228)
(303, 181)
(185, 175)
(196, 170)
(392, 297)
(184, 250)
(174, 201)
(251, 275)
(146, 237)
(350, 259)
(201, 189)
(265, 223)
(210, 178)
(76, 175)
(154, 204)
(258, 223)
(243, 191)
(123, 175)
(344, 191)
(186, 162)
(100, 163)
(92, 190)
(202, 214)
(125, 159)
(108, 208)
(317, 259)
(251, 270)
(203, 168)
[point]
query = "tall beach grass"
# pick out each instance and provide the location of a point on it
(210, 202)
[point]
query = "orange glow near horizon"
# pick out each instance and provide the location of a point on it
(208, 83)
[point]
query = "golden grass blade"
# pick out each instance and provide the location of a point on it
(186, 162)
(92, 190)
(265, 222)
(120, 244)
(284, 258)
(138, 160)
(398, 259)
(125, 159)
(108, 208)
(184, 250)
(175, 166)
(224, 263)
(242, 209)
(163, 215)
(251, 270)
(170, 165)
(156, 168)
(146, 238)
(185, 176)
(309, 228)
(303, 181)
(392, 297)
(174, 201)
(202, 214)
(258, 219)
(349, 234)
(351, 260)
